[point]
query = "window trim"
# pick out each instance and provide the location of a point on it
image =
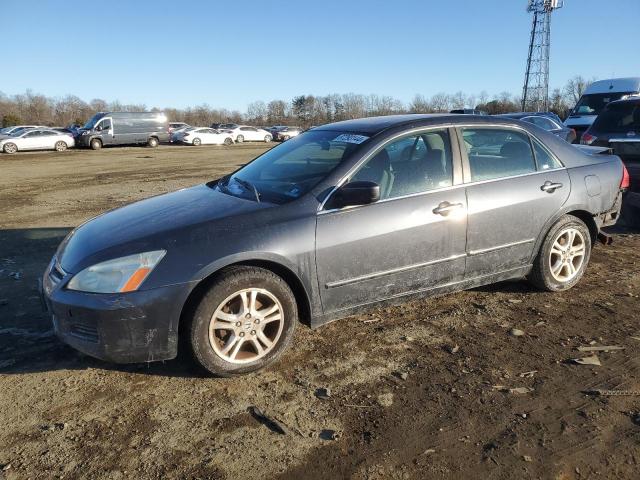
(553, 122)
(455, 162)
(465, 157)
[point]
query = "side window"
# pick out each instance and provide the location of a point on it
(496, 153)
(413, 164)
(105, 124)
(542, 123)
(32, 134)
(544, 159)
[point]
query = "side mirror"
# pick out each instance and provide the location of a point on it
(355, 193)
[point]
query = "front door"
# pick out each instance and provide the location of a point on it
(107, 134)
(515, 185)
(412, 239)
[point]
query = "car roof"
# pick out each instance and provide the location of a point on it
(374, 125)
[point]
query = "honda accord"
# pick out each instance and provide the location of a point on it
(342, 217)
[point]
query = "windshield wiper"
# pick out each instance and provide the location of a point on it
(249, 186)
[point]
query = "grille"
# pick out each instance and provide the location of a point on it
(84, 331)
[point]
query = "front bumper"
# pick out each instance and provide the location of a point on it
(133, 327)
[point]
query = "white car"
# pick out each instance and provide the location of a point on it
(204, 136)
(244, 133)
(37, 139)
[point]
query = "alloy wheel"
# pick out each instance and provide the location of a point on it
(567, 254)
(246, 326)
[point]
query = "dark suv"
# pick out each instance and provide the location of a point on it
(618, 127)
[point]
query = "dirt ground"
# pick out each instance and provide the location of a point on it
(420, 390)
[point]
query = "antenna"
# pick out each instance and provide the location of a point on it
(535, 93)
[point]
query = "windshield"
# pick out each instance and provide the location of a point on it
(92, 122)
(19, 131)
(623, 117)
(594, 104)
(291, 169)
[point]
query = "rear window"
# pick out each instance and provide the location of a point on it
(594, 103)
(622, 117)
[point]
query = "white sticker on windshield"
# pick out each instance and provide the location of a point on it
(350, 138)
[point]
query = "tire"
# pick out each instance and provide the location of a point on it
(285, 138)
(228, 141)
(60, 146)
(95, 144)
(240, 139)
(224, 299)
(563, 256)
(152, 142)
(10, 148)
(197, 142)
(267, 138)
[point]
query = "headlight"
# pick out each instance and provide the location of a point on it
(86, 132)
(124, 274)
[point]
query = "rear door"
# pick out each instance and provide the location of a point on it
(406, 241)
(514, 186)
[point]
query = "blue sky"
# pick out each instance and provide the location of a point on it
(228, 53)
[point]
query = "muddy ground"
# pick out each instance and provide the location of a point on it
(421, 390)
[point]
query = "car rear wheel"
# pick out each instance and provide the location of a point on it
(197, 142)
(10, 148)
(239, 139)
(152, 142)
(228, 141)
(243, 323)
(564, 255)
(60, 146)
(267, 138)
(96, 144)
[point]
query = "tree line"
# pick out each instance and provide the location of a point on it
(302, 110)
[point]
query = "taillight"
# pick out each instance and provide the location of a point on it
(625, 183)
(587, 139)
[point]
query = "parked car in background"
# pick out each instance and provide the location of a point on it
(546, 120)
(617, 127)
(176, 135)
(124, 128)
(245, 133)
(468, 111)
(17, 129)
(37, 139)
(174, 126)
(285, 133)
(205, 136)
(342, 217)
(596, 97)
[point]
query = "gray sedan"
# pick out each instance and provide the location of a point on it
(342, 217)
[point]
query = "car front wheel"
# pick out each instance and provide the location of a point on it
(152, 142)
(243, 323)
(228, 141)
(267, 138)
(563, 256)
(10, 148)
(197, 142)
(60, 146)
(96, 144)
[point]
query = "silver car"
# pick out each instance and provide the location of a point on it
(340, 218)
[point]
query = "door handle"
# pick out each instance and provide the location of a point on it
(550, 187)
(445, 208)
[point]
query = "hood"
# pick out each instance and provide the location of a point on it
(147, 225)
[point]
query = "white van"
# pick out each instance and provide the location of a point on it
(596, 97)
